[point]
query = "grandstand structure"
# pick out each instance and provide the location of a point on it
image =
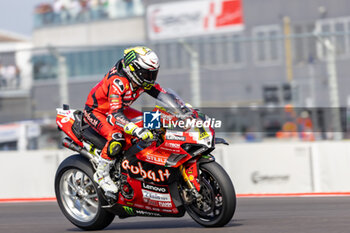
(15, 100)
(246, 67)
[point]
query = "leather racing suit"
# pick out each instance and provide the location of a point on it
(107, 104)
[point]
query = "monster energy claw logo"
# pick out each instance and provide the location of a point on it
(129, 57)
(128, 210)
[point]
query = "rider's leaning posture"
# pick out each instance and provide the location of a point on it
(104, 109)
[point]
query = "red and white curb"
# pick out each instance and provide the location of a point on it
(41, 199)
(330, 194)
(253, 195)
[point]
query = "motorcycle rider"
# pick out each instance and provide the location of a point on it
(108, 101)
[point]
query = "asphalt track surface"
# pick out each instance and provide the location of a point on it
(253, 215)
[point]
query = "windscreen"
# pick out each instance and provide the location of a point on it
(173, 104)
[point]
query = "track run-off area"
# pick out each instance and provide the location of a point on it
(302, 214)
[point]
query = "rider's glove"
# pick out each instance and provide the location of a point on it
(142, 133)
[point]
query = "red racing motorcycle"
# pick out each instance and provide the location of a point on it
(168, 176)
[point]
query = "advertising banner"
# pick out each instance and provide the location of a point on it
(193, 18)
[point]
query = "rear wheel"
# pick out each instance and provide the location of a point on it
(78, 196)
(218, 204)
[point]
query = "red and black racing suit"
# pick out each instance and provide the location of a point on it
(108, 103)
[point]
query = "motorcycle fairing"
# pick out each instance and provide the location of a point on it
(149, 200)
(149, 172)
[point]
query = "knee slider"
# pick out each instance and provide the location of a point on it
(115, 145)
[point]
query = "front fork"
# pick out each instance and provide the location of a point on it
(190, 174)
(191, 180)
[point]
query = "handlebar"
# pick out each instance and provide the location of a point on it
(155, 139)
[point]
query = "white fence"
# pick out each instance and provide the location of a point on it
(290, 167)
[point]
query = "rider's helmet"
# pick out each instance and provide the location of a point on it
(141, 65)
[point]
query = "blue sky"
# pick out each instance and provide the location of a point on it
(17, 15)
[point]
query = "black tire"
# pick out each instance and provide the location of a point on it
(102, 218)
(218, 192)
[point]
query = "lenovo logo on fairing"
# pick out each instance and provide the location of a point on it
(154, 188)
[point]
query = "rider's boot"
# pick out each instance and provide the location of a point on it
(102, 176)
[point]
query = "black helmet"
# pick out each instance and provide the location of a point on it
(141, 65)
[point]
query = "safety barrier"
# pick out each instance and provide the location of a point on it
(288, 167)
(29, 174)
(274, 168)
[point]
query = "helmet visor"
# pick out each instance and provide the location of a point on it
(148, 76)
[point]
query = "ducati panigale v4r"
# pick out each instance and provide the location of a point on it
(168, 176)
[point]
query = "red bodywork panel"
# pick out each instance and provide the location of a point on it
(149, 197)
(65, 123)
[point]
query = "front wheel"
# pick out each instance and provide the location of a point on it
(218, 204)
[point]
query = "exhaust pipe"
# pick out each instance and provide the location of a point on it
(70, 144)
